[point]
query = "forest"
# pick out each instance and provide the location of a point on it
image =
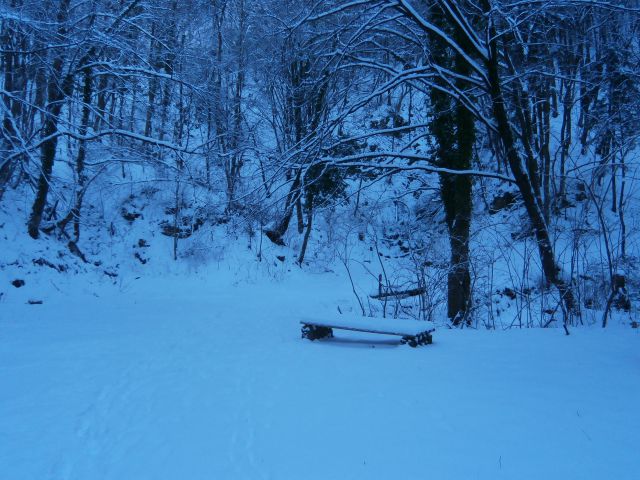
(264, 106)
(265, 111)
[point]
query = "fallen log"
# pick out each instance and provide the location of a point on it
(412, 292)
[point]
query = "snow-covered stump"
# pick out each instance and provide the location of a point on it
(412, 333)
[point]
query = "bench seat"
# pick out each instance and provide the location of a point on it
(413, 332)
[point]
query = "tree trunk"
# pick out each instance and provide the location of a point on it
(565, 140)
(454, 130)
(152, 88)
(307, 233)
(47, 155)
(55, 95)
(299, 215)
(275, 234)
(82, 152)
(545, 153)
(550, 267)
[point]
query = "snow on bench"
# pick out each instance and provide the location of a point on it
(412, 332)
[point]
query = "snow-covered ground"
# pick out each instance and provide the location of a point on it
(201, 377)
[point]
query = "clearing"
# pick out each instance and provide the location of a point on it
(192, 378)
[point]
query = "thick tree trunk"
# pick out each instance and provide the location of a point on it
(459, 277)
(6, 171)
(454, 130)
(275, 234)
(47, 155)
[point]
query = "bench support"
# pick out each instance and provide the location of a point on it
(423, 338)
(316, 332)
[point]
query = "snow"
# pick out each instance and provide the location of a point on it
(205, 376)
(374, 325)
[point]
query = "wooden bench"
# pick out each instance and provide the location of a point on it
(413, 332)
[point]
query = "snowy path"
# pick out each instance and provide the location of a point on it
(166, 382)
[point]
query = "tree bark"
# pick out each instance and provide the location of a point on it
(550, 268)
(275, 234)
(55, 96)
(454, 130)
(82, 151)
(307, 233)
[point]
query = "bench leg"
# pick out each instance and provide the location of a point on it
(315, 332)
(423, 338)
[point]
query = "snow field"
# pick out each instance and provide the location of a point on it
(180, 377)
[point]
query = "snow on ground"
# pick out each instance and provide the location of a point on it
(193, 377)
